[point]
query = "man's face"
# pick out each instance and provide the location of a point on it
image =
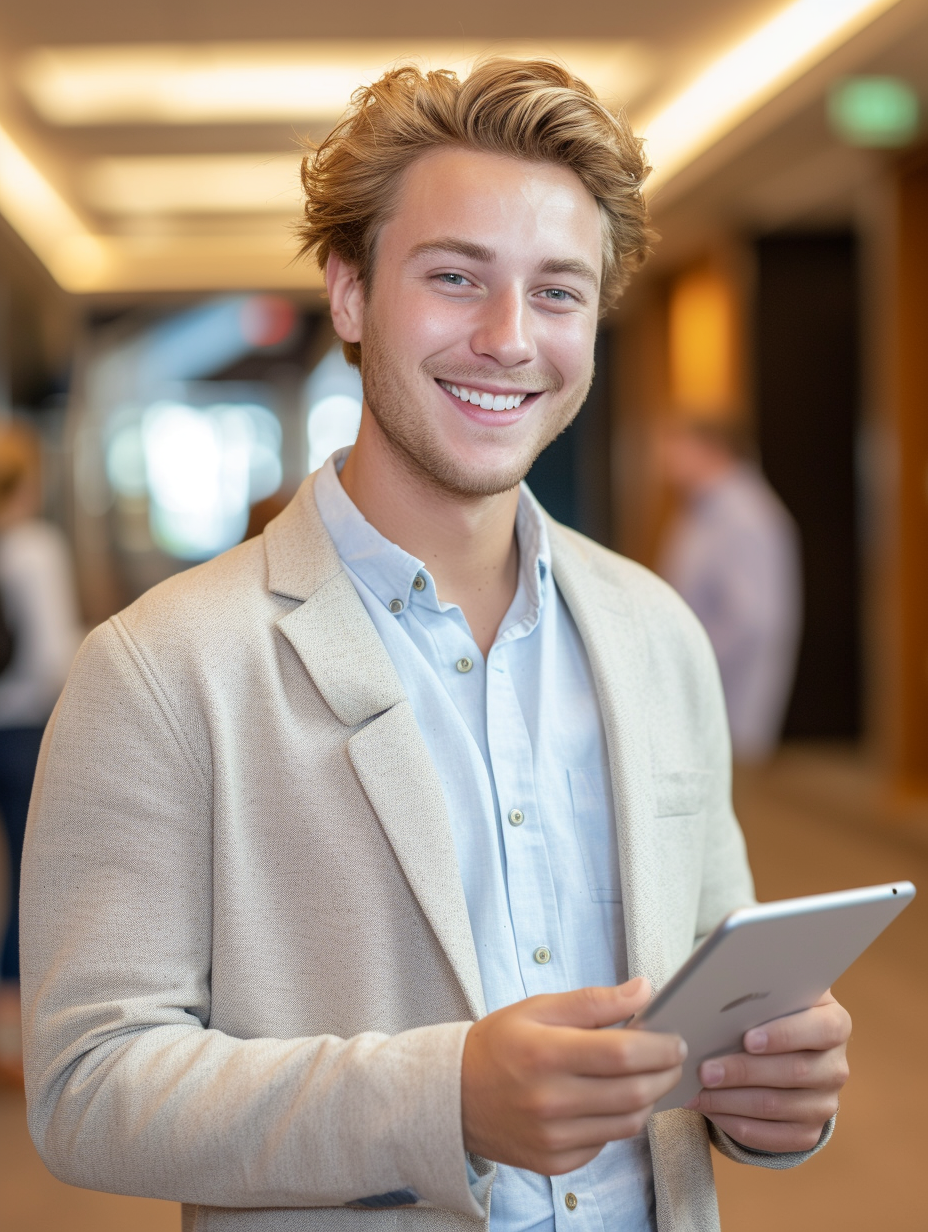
(479, 323)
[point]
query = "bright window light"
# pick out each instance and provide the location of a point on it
(748, 75)
(203, 469)
(333, 395)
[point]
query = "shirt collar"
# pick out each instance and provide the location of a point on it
(389, 572)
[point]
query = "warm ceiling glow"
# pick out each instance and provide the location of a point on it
(46, 222)
(194, 184)
(751, 73)
(253, 82)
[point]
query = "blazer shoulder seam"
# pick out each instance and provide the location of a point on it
(159, 695)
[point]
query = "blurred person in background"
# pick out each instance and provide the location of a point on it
(40, 635)
(733, 554)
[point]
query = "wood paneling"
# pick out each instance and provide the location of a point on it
(912, 445)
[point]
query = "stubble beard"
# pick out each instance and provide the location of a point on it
(415, 443)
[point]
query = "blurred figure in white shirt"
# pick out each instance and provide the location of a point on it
(733, 554)
(41, 632)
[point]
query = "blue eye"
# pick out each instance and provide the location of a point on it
(454, 280)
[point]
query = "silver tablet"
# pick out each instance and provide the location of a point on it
(761, 963)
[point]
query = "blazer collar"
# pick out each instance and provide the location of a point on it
(341, 650)
(610, 625)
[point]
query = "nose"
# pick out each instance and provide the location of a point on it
(503, 331)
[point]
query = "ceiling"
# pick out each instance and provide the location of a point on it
(155, 147)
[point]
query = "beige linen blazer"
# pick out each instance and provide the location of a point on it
(248, 969)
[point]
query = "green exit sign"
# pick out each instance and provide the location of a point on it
(874, 112)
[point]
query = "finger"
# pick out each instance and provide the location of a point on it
(611, 1054)
(591, 1007)
(773, 1136)
(768, 1104)
(789, 1070)
(826, 1025)
(573, 1098)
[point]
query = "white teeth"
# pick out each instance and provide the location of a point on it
(486, 401)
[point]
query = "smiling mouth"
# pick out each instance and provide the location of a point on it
(484, 399)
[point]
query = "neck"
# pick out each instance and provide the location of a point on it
(468, 544)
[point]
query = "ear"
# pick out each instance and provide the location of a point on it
(346, 298)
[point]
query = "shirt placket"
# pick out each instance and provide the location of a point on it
(530, 885)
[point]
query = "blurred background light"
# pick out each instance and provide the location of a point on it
(333, 415)
(46, 222)
(204, 469)
(874, 112)
(747, 76)
(193, 184)
(265, 81)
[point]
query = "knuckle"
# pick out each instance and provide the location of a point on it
(542, 1104)
(623, 1050)
(769, 1104)
(801, 1069)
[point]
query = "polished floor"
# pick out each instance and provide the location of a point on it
(814, 821)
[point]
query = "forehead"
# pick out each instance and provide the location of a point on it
(511, 205)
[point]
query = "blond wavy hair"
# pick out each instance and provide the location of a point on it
(530, 109)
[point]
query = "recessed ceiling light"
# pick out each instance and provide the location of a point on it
(194, 184)
(220, 83)
(751, 73)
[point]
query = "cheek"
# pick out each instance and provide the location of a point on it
(567, 344)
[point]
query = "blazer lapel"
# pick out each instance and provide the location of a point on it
(617, 649)
(335, 638)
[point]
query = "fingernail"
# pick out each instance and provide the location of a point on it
(632, 986)
(683, 1050)
(693, 1103)
(711, 1074)
(755, 1041)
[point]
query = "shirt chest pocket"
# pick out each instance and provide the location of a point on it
(594, 826)
(680, 793)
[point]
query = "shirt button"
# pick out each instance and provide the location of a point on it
(516, 817)
(395, 606)
(542, 955)
(465, 664)
(570, 1201)
(418, 582)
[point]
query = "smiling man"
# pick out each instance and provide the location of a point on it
(345, 845)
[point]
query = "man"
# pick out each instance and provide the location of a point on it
(733, 555)
(344, 844)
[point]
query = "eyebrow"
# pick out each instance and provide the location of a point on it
(479, 252)
(461, 248)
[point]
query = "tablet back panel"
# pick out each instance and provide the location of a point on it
(764, 962)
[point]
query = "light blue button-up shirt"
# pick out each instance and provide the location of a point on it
(519, 745)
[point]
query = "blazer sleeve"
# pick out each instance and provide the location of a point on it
(129, 1089)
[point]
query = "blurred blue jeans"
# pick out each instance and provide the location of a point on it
(19, 753)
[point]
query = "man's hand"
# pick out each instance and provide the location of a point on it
(543, 1088)
(779, 1097)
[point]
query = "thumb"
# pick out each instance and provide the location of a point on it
(594, 1007)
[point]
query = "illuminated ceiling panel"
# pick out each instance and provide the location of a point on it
(222, 83)
(194, 184)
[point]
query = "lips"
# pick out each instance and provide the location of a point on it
(486, 399)
(482, 411)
